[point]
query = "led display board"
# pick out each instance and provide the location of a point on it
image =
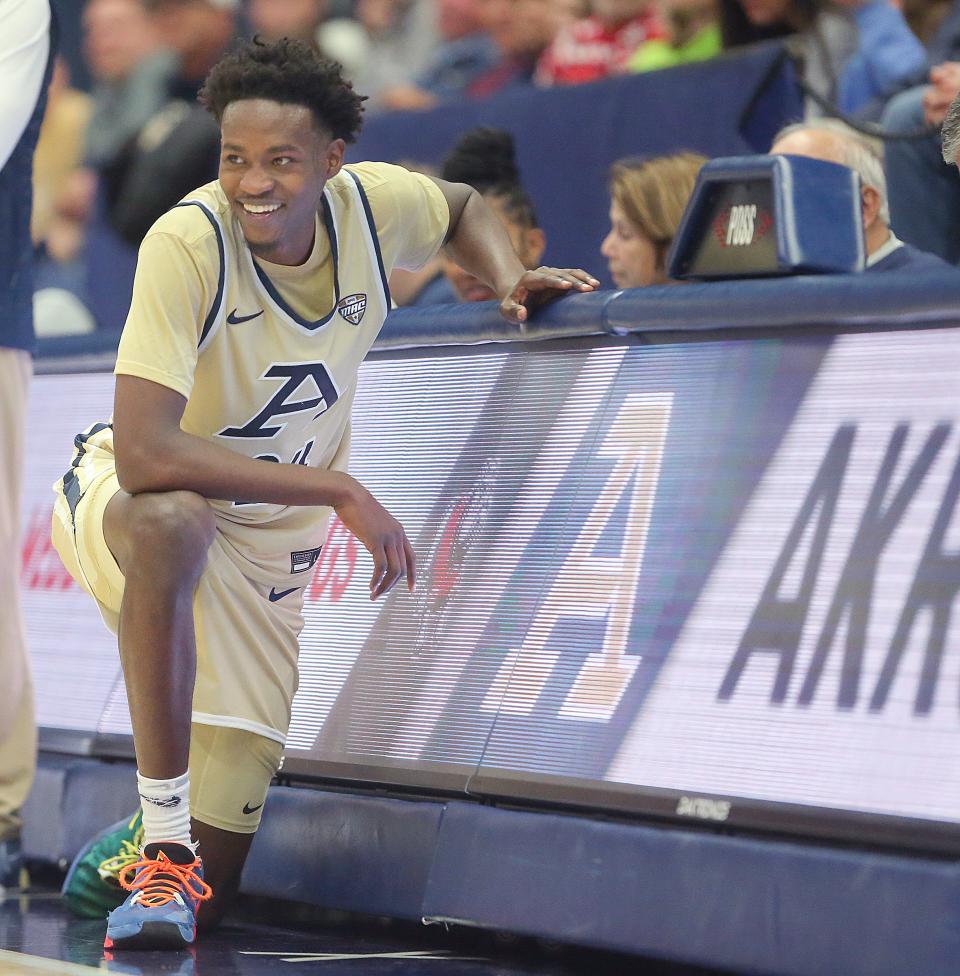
(709, 580)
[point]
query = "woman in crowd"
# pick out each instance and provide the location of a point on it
(647, 201)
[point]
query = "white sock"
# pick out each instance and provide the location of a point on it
(166, 809)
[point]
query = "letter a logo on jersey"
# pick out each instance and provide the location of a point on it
(352, 308)
(308, 386)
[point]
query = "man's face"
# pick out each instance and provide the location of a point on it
(532, 24)
(521, 28)
(274, 164)
(117, 35)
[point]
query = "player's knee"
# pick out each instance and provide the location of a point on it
(177, 526)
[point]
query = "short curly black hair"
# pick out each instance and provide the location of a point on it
(290, 72)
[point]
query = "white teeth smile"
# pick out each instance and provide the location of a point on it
(260, 208)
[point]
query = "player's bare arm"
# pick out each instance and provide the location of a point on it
(477, 241)
(153, 454)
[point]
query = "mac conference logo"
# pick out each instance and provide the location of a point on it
(352, 308)
(741, 225)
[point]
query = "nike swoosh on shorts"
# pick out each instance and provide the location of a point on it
(274, 595)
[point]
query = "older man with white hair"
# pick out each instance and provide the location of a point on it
(834, 142)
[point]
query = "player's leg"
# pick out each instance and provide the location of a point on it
(160, 543)
(161, 614)
(230, 773)
(224, 855)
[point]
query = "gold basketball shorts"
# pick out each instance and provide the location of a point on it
(247, 645)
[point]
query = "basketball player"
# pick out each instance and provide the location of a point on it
(196, 515)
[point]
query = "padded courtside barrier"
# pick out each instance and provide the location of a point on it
(754, 906)
(356, 853)
(834, 301)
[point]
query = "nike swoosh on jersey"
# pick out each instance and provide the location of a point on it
(274, 595)
(247, 809)
(234, 319)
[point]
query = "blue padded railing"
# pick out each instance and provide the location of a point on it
(832, 301)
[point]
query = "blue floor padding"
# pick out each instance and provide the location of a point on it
(752, 905)
(356, 853)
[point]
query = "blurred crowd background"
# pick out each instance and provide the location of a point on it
(124, 137)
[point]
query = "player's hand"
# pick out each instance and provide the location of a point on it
(382, 536)
(536, 288)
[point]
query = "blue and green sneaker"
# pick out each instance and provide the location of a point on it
(92, 888)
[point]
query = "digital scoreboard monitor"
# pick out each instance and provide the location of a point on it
(714, 581)
(760, 216)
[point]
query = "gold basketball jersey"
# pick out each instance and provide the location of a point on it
(267, 355)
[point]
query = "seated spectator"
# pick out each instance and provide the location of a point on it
(492, 45)
(465, 51)
(178, 148)
(693, 34)
(831, 140)
(522, 31)
(299, 20)
(851, 53)
(601, 44)
(924, 191)
(130, 72)
(647, 201)
(486, 160)
(386, 45)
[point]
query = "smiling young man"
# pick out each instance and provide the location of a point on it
(195, 516)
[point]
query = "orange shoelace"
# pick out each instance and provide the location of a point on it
(161, 880)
